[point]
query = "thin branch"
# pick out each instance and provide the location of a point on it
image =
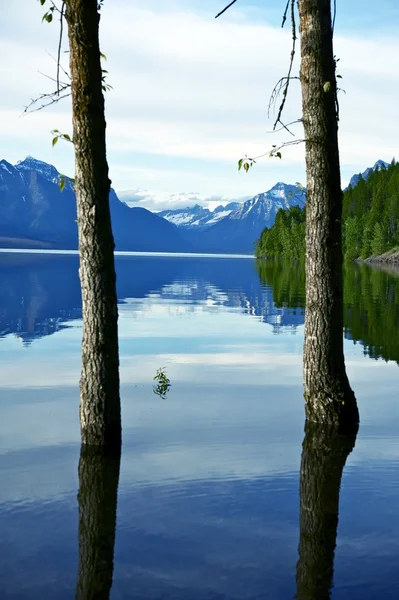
(61, 67)
(334, 15)
(285, 14)
(47, 99)
(59, 45)
(63, 83)
(285, 126)
(276, 92)
(225, 8)
(62, 88)
(288, 77)
(277, 148)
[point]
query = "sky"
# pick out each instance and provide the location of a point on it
(190, 94)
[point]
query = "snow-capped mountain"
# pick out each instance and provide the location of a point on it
(239, 230)
(197, 216)
(40, 167)
(380, 164)
(35, 213)
(263, 207)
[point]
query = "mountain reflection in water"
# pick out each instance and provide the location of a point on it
(213, 501)
(40, 294)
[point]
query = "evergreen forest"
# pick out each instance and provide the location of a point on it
(370, 221)
(367, 320)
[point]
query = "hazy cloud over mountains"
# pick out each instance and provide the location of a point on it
(157, 202)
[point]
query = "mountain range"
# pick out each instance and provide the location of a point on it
(238, 230)
(35, 213)
(197, 216)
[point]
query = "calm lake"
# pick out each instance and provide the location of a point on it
(209, 504)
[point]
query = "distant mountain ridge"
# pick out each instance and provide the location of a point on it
(34, 212)
(380, 164)
(239, 230)
(198, 216)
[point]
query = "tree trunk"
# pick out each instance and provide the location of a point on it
(100, 417)
(328, 395)
(98, 492)
(324, 453)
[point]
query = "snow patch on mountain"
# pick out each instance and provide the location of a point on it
(196, 216)
(7, 167)
(40, 167)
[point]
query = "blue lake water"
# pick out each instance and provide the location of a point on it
(208, 500)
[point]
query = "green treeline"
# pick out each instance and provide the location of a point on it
(286, 238)
(370, 221)
(371, 302)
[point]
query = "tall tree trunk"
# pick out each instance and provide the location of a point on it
(98, 492)
(324, 453)
(328, 395)
(100, 416)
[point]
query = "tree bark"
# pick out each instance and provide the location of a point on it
(328, 395)
(324, 453)
(98, 491)
(100, 416)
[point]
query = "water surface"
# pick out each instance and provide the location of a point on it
(209, 502)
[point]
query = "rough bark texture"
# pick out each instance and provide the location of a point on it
(324, 453)
(99, 385)
(328, 395)
(98, 491)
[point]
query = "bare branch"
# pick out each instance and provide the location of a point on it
(285, 126)
(63, 83)
(276, 92)
(59, 45)
(287, 79)
(62, 88)
(334, 15)
(61, 67)
(285, 13)
(47, 99)
(225, 8)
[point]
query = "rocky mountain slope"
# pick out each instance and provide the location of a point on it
(35, 213)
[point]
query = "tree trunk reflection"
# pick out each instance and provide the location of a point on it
(324, 453)
(98, 491)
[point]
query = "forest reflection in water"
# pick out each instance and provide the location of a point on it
(371, 302)
(208, 503)
(39, 295)
(324, 454)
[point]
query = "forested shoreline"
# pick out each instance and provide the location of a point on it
(370, 219)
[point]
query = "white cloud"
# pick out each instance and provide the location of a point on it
(190, 97)
(157, 201)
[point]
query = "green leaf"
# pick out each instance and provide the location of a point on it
(278, 154)
(67, 137)
(327, 86)
(55, 140)
(42, 2)
(246, 167)
(61, 184)
(339, 76)
(240, 164)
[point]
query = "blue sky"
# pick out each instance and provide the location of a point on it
(190, 94)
